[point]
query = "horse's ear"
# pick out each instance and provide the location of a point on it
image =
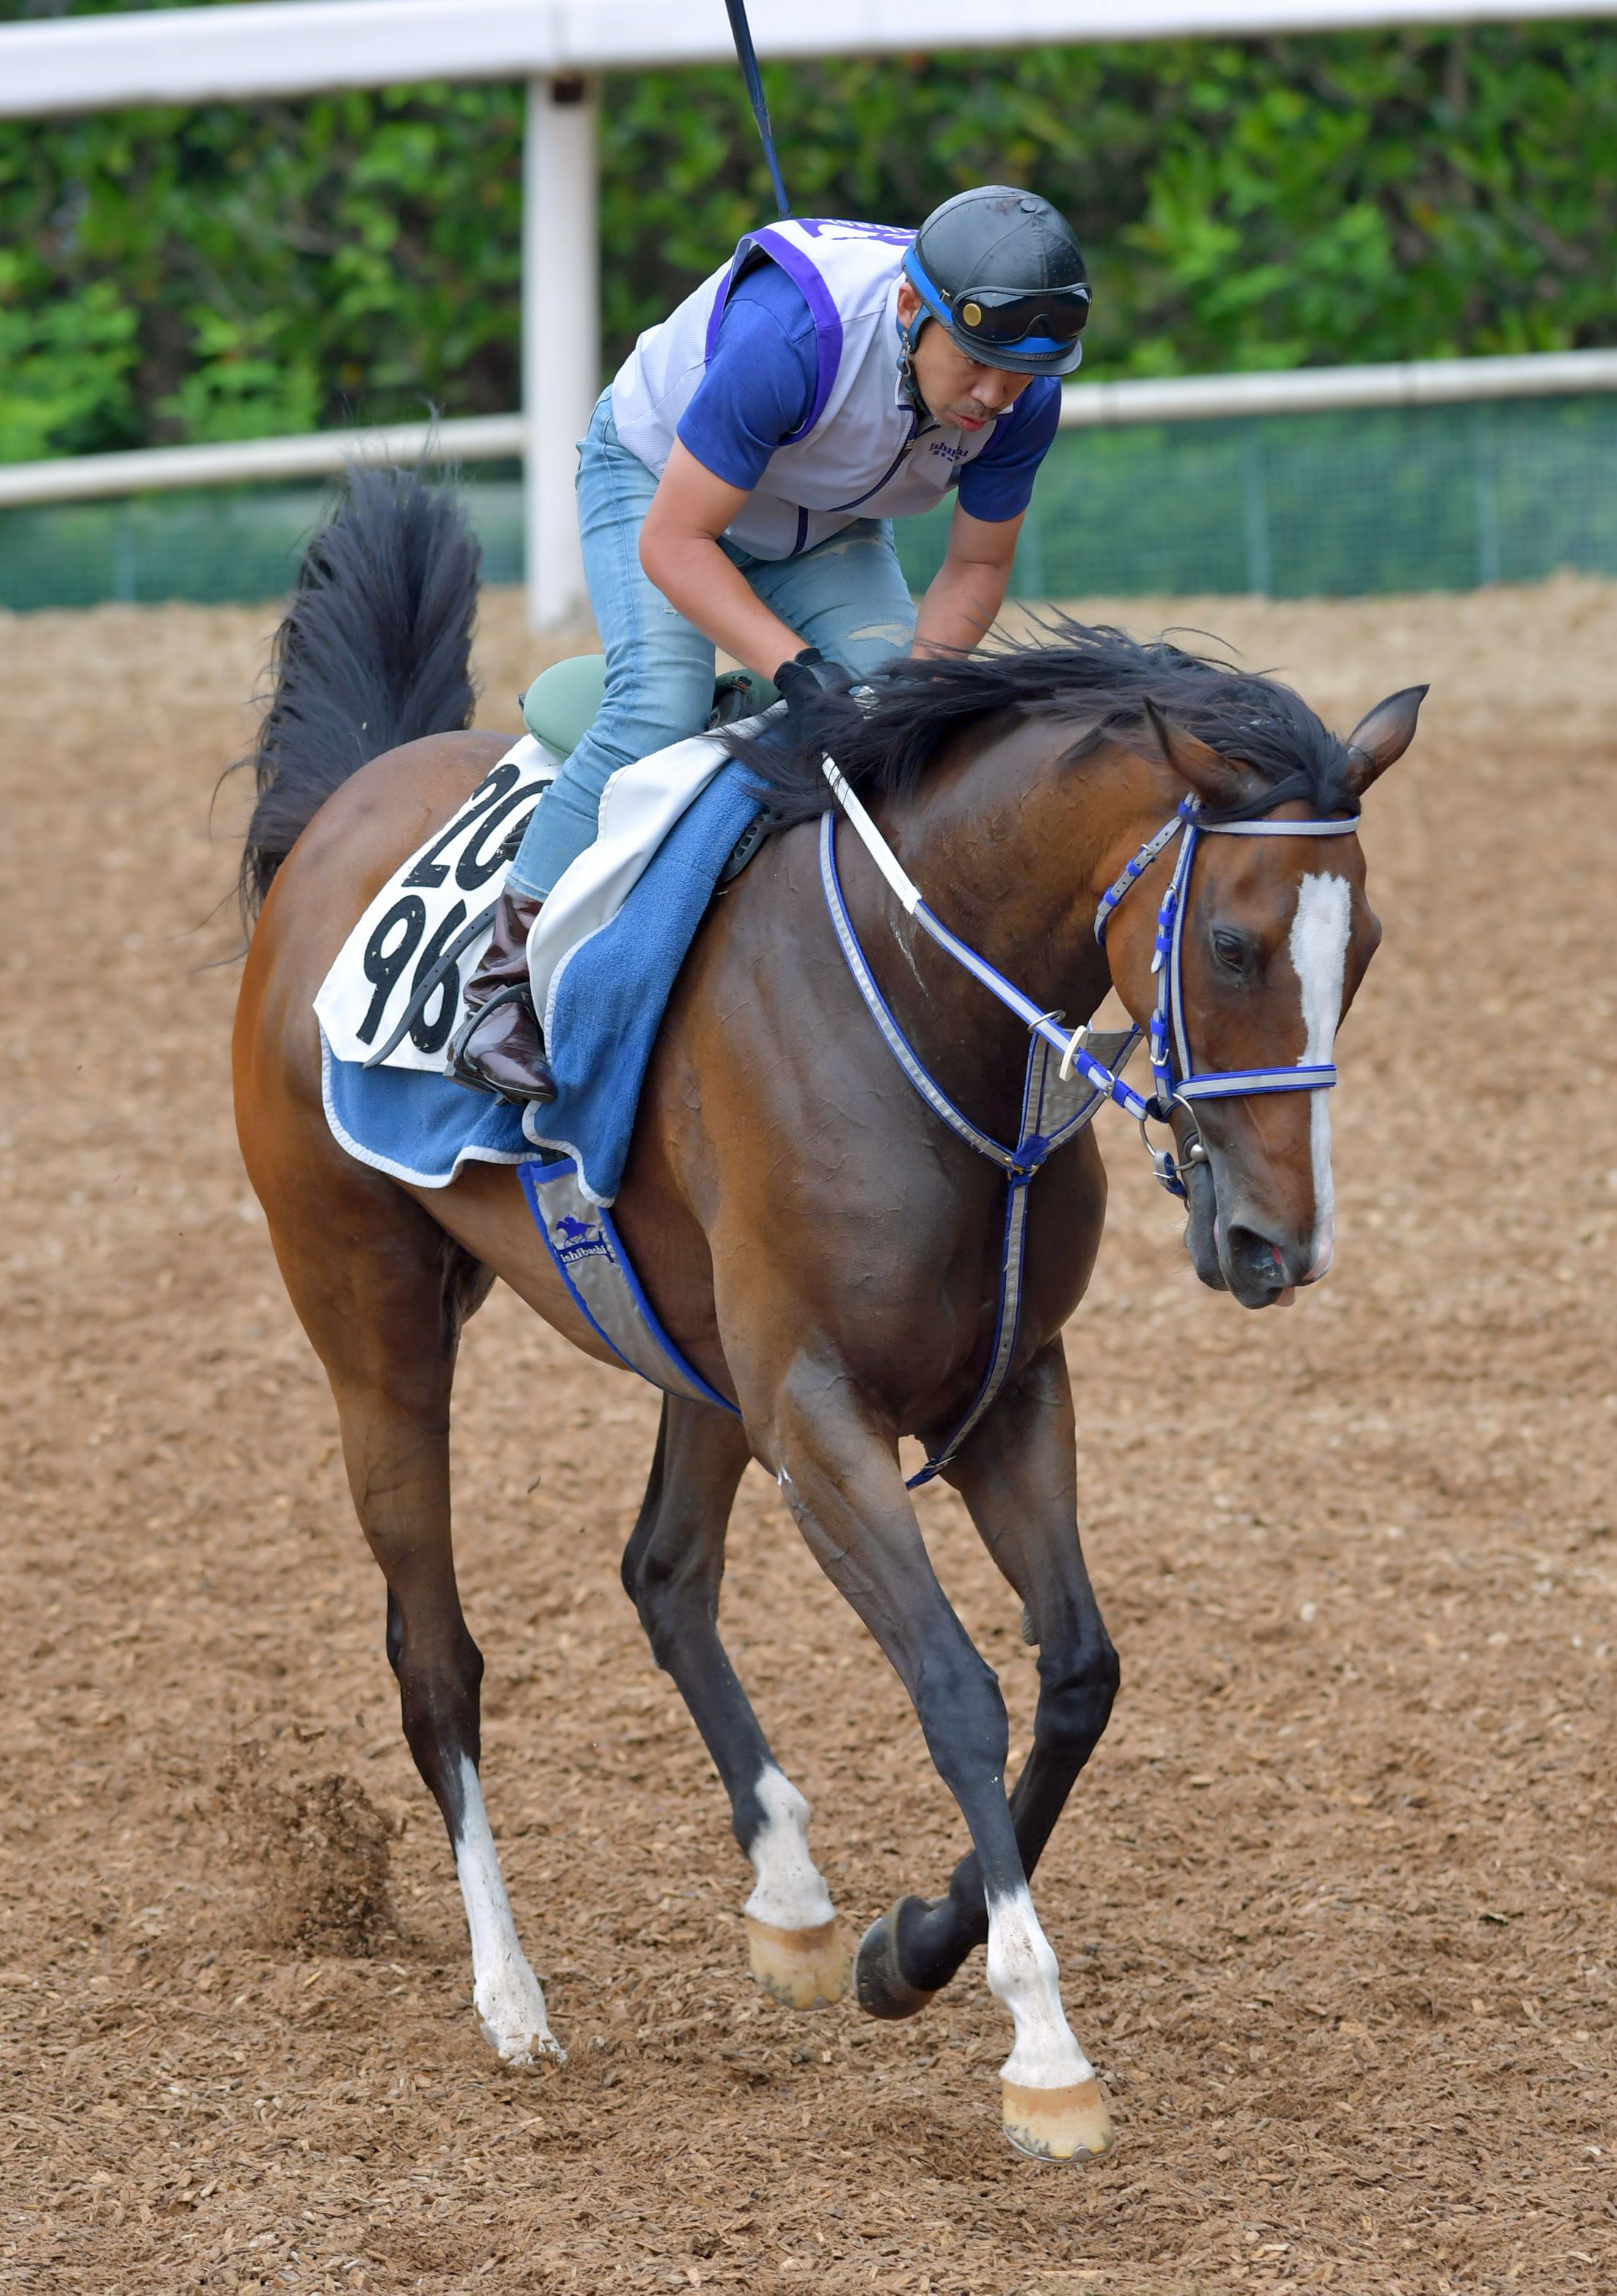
(1381, 737)
(1210, 774)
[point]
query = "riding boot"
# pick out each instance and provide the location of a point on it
(501, 1046)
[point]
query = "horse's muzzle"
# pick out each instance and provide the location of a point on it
(1264, 1271)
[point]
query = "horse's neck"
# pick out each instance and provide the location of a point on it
(1008, 850)
(1012, 851)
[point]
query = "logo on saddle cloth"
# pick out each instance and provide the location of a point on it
(576, 1238)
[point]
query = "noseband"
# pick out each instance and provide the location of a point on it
(1050, 1119)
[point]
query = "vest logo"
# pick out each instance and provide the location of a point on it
(576, 1238)
(836, 227)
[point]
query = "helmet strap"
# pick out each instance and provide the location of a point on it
(906, 340)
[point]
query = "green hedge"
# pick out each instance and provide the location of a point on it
(227, 272)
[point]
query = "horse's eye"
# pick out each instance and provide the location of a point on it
(1231, 948)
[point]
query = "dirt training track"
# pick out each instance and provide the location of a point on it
(1335, 1903)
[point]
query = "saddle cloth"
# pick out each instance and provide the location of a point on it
(603, 957)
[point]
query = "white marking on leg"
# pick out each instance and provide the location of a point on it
(504, 1992)
(791, 1892)
(1024, 1978)
(1319, 954)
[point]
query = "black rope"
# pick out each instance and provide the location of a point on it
(737, 12)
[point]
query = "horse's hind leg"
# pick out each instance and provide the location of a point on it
(382, 1293)
(671, 1569)
(1016, 1476)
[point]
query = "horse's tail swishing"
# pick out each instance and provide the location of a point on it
(374, 651)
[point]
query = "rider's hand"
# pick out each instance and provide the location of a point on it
(818, 695)
(809, 673)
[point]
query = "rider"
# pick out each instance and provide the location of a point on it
(735, 487)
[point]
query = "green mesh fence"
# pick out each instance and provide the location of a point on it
(1321, 505)
(1298, 505)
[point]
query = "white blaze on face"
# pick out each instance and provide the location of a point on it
(1318, 953)
(505, 1993)
(791, 1892)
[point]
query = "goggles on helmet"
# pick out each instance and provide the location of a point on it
(1021, 318)
(1017, 323)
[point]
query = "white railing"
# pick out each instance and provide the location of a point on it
(290, 47)
(1316, 389)
(1084, 406)
(317, 455)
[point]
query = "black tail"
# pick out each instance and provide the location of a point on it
(374, 651)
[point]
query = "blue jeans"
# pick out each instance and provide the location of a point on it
(846, 596)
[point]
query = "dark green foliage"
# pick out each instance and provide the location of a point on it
(225, 273)
(1242, 204)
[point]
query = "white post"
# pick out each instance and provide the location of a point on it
(560, 334)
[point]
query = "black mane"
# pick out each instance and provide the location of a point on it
(1099, 676)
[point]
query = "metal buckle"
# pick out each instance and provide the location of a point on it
(1170, 1169)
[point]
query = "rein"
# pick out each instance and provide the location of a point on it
(1096, 1056)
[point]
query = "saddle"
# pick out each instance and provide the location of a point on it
(564, 701)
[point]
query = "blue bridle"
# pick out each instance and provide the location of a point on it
(1047, 1121)
(1167, 1043)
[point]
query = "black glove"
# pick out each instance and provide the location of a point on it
(809, 673)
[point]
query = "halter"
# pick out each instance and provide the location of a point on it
(1168, 1044)
(1047, 1120)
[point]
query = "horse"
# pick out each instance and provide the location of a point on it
(826, 1251)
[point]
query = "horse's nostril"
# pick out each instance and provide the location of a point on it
(1258, 1256)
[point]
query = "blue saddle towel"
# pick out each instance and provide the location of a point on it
(608, 998)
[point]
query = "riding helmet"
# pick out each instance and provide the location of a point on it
(1003, 272)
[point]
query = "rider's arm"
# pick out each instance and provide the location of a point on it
(994, 492)
(969, 588)
(756, 392)
(679, 549)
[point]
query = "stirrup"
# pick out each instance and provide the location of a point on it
(460, 1067)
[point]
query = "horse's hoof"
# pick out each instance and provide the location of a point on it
(509, 2006)
(801, 1969)
(882, 1989)
(522, 2048)
(1059, 2124)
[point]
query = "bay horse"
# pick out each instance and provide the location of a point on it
(823, 1248)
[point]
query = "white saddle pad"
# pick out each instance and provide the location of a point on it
(434, 898)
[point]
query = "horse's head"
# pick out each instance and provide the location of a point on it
(1275, 940)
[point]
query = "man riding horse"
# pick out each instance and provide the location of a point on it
(736, 488)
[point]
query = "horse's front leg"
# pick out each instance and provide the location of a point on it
(838, 1469)
(671, 1569)
(1018, 1476)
